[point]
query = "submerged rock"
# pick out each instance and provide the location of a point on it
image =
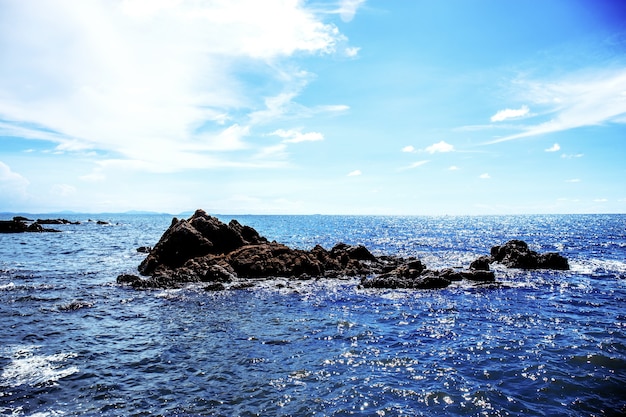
(203, 249)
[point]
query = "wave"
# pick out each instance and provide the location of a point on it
(27, 367)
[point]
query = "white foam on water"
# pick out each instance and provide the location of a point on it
(598, 266)
(19, 412)
(29, 368)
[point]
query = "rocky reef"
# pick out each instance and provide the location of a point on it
(203, 249)
(21, 224)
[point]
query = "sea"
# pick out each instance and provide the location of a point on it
(537, 343)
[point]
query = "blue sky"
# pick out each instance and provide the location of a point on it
(331, 107)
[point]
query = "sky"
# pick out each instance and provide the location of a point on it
(392, 107)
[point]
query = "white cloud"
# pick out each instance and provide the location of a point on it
(296, 136)
(453, 168)
(415, 165)
(348, 8)
(510, 114)
(352, 51)
(13, 188)
(151, 81)
(330, 108)
(276, 153)
(229, 139)
(484, 176)
(355, 173)
(95, 176)
(571, 156)
(589, 98)
(440, 147)
(63, 190)
(10, 180)
(573, 180)
(554, 148)
(601, 200)
(408, 149)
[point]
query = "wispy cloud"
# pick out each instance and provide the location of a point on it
(572, 155)
(10, 179)
(408, 149)
(484, 176)
(13, 186)
(439, 147)
(63, 190)
(554, 148)
(573, 180)
(296, 136)
(355, 173)
(415, 164)
(453, 168)
(348, 8)
(590, 98)
(510, 114)
(164, 85)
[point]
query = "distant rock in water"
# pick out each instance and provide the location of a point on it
(202, 249)
(19, 225)
(55, 221)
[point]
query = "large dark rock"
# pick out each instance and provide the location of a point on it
(200, 235)
(552, 260)
(178, 244)
(516, 254)
(203, 249)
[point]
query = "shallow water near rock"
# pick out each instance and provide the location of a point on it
(538, 343)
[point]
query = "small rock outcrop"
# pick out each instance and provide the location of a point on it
(516, 254)
(203, 249)
(55, 221)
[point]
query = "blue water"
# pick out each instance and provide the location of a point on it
(550, 343)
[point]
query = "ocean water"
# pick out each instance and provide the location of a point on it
(541, 343)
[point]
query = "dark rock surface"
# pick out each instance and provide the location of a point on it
(202, 249)
(481, 264)
(198, 236)
(516, 254)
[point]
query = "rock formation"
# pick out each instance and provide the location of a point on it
(202, 249)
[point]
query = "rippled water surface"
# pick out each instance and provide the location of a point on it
(539, 343)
